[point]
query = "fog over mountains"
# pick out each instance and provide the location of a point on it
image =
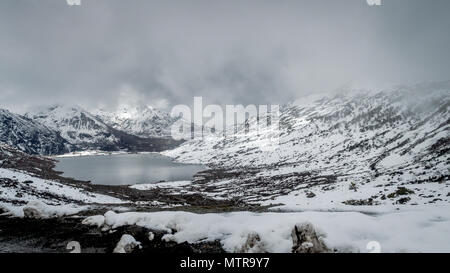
(347, 124)
(370, 139)
(392, 137)
(139, 120)
(234, 52)
(350, 155)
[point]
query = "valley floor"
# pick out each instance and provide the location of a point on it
(42, 212)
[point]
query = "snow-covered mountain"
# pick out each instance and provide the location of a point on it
(356, 139)
(141, 120)
(30, 136)
(76, 125)
(87, 131)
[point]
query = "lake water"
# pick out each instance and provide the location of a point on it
(126, 169)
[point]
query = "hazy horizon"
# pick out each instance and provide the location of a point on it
(164, 53)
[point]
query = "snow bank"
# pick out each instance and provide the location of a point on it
(37, 209)
(420, 230)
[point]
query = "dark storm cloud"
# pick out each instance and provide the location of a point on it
(165, 52)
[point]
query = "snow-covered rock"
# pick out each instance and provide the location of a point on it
(126, 244)
(306, 239)
(252, 244)
(39, 210)
(97, 220)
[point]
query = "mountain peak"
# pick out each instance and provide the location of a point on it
(140, 120)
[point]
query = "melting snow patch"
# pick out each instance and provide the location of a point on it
(394, 160)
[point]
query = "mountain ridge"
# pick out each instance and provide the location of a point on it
(78, 129)
(30, 136)
(378, 139)
(139, 120)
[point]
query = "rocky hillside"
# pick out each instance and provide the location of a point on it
(86, 131)
(351, 139)
(76, 125)
(30, 136)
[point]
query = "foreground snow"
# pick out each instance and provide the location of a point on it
(406, 230)
(41, 210)
(26, 188)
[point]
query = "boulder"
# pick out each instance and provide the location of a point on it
(306, 239)
(253, 244)
(31, 212)
(126, 244)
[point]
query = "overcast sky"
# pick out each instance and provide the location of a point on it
(165, 52)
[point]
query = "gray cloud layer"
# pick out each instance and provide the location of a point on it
(165, 52)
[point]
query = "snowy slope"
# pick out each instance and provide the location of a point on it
(141, 120)
(20, 187)
(25, 178)
(87, 132)
(354, 146)
(30, 136)
(76, 125)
